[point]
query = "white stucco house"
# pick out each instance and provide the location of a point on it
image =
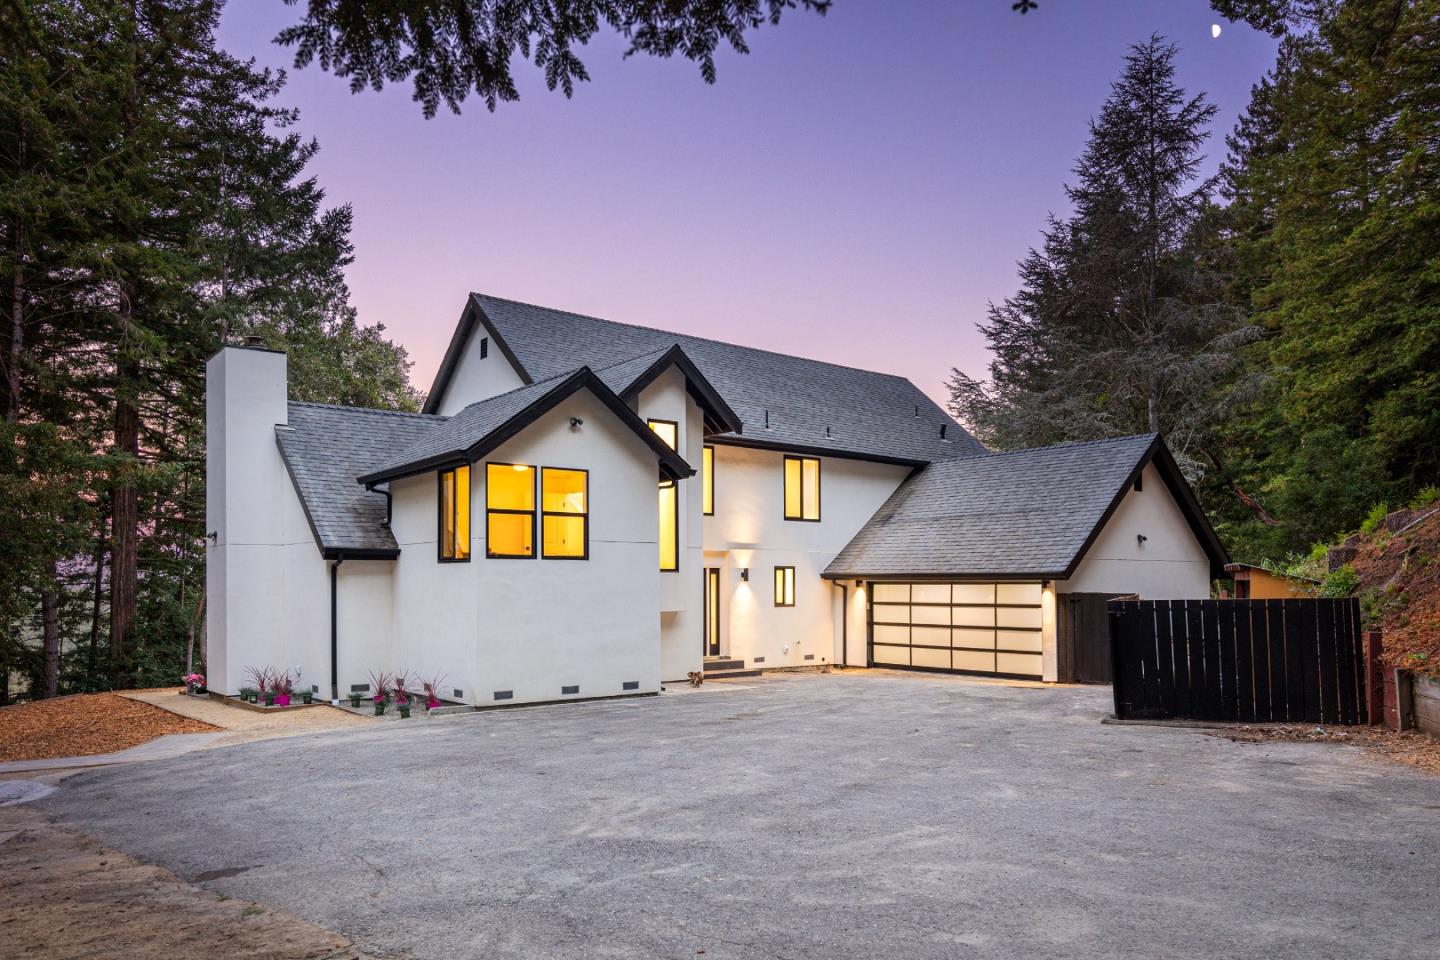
(590, 509)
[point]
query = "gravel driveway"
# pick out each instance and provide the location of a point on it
(831, 816)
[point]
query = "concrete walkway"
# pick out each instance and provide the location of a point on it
(243, 726)
(161, 748)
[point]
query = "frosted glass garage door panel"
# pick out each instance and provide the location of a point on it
(972, 660)
(973, 616)
(930, 615)
(934, 659)
(1018, 593)
(892, 593)
(884, 633)
(890, 613)
(969, 637)
(1018, 617)
(1026, 664)
(930, 636)
(896, 656)
(1018, 640)
(972, 593)
(930, 593)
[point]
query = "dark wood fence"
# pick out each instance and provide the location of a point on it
(1240, 660)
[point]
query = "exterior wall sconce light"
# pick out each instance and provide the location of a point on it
(1140, 538)
(744, 574)
(576, 423)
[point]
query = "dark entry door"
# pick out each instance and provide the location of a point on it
(712, 611)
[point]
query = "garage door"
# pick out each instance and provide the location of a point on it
(963, 627)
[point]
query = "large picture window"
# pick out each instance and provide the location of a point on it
(784, 586)
(707, 481)
(802, 488)
(509, 510)
(564, 514)
(455, 515)
(669, 506)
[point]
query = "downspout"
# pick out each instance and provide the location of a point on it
(844, 625)
(335, 632)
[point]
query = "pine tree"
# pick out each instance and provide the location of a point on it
(1121, 324)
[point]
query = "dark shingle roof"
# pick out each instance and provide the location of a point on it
(1022, 513)
(325, 448)
(810, 404)
(485, 424)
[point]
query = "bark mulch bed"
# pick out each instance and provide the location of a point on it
(1410, 747)
(84, 725)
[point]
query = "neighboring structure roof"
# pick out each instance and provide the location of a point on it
(325, 448)
(785, 402)
(481, 427)
(1025, 513)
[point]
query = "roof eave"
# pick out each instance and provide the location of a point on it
(466, 326)
(720, 418)
(756, 443)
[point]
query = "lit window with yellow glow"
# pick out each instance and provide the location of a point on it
(669, 431)
(802, 488)
(707, 481)
(509, 510)
(564, 514)
(784, 586)
(455, 514)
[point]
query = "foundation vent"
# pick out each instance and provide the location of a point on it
(630, 685)
(569, 691)
(504, 694)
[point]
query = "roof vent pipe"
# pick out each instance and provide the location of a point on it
(827, 433)
(767, 419)
(942, 431)
(251, 340)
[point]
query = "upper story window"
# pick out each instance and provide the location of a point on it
(802, 488)
(484, 347)
(564, 513)
(707, 481)
(669, 431)
(455, 514)
(784, 586)
(509, 510)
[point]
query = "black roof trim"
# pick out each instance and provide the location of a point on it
(756, 443)
(719, 417)
(672, 464)
(362, 553)
(933, 577)
(468, 318)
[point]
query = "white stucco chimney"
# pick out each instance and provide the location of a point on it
(245, 397)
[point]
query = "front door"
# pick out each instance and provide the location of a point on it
(712, 611)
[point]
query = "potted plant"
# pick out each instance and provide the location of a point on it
(431, 688)
(194, 683)
(260, 678)
(380, 683)
(282, 686)
(307, 696)
(402, 696)
(355, 699)
(249, 694)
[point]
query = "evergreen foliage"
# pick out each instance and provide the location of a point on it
(153, 206)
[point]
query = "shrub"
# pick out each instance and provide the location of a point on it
(1340, 583)
(1425, 497)
(1374, 518)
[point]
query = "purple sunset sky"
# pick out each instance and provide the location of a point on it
(855, 190)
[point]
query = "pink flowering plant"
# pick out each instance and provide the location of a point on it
(194, 682)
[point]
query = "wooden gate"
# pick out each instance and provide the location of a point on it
(1082, 630)
(1240, 660)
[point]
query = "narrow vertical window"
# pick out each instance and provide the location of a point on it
(784, 586)
(564, 514)
(802, 488)
(707, 481)
(455, 514)
(484, 347)
(509, 510)
(669, 503)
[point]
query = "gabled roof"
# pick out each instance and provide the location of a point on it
(325, 448)
(481, 427)
(1026, 513)
(784, 402)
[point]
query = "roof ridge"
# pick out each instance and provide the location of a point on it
(991, 454)
(693, 336)
(382, 410)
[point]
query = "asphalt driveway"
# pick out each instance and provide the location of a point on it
(816, 816)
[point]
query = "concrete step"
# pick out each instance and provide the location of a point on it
(713, 664)
(728, 674)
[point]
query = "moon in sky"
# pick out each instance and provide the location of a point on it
(1215, 30)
